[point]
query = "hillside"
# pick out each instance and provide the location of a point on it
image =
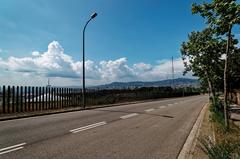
(179, 82)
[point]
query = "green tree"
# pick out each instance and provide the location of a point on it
(234, 70)
(221, 15)
(202, 56)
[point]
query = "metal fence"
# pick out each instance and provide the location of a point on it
(25, 99)
(16, 99)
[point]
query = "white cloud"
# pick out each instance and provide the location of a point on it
(58, 65)
(117, 70)
(142, 66)
(1, 50)
(35, 53)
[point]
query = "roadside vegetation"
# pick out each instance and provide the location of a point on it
(213, 55)
(225, 144)
(145, 93)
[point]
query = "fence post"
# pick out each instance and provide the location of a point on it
(49, 99)
(79, 97)
(37, 99)
(13, 99)
(33, 102)
(40, 98)
(54, 101)
(29, 103)
(25, 98)
(44, 98)
(47, 94)
(21, 98)
(62, 98)
(52, 107)
(17, 100)
(73, 97)
(68, 97)
(4, 100)
(8, 99)
(57, 94)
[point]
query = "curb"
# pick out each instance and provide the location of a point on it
(190, 143)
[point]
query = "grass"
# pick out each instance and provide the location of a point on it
(226, 144)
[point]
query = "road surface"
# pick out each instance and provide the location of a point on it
(151, 130)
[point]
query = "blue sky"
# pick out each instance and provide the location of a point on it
(138, 31)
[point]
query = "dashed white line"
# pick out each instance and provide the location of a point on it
(128, 116)
(11, 148)
(88, 127)
(149, 110)
(162, 106)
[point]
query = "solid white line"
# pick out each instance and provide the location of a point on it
(149, 110)
(128, 116)
(88, 127)
(162, 106)
(10, 147)
(3, 152)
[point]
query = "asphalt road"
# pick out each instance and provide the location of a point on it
(151, 130)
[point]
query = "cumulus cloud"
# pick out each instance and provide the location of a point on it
(116, 70)
(56, 63)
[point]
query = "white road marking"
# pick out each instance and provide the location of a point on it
(128, 116)
(18, 148)
(149, 110)
(11, 148)
(162, 106)
(176, 103)
(88, 127)
(170, 104)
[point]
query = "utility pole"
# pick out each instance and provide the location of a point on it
(172, 74)
(48, 83)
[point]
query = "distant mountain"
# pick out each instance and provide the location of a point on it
(179, 82)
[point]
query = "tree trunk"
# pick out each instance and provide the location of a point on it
(225, 78)
(211, 91)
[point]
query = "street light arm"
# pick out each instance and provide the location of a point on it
(86, 25)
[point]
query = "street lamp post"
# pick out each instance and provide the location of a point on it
(83, 59)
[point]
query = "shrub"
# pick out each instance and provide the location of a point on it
(224, 150)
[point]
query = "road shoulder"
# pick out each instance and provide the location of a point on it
(190, 147)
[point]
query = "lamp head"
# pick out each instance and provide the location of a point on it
(93, 15)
